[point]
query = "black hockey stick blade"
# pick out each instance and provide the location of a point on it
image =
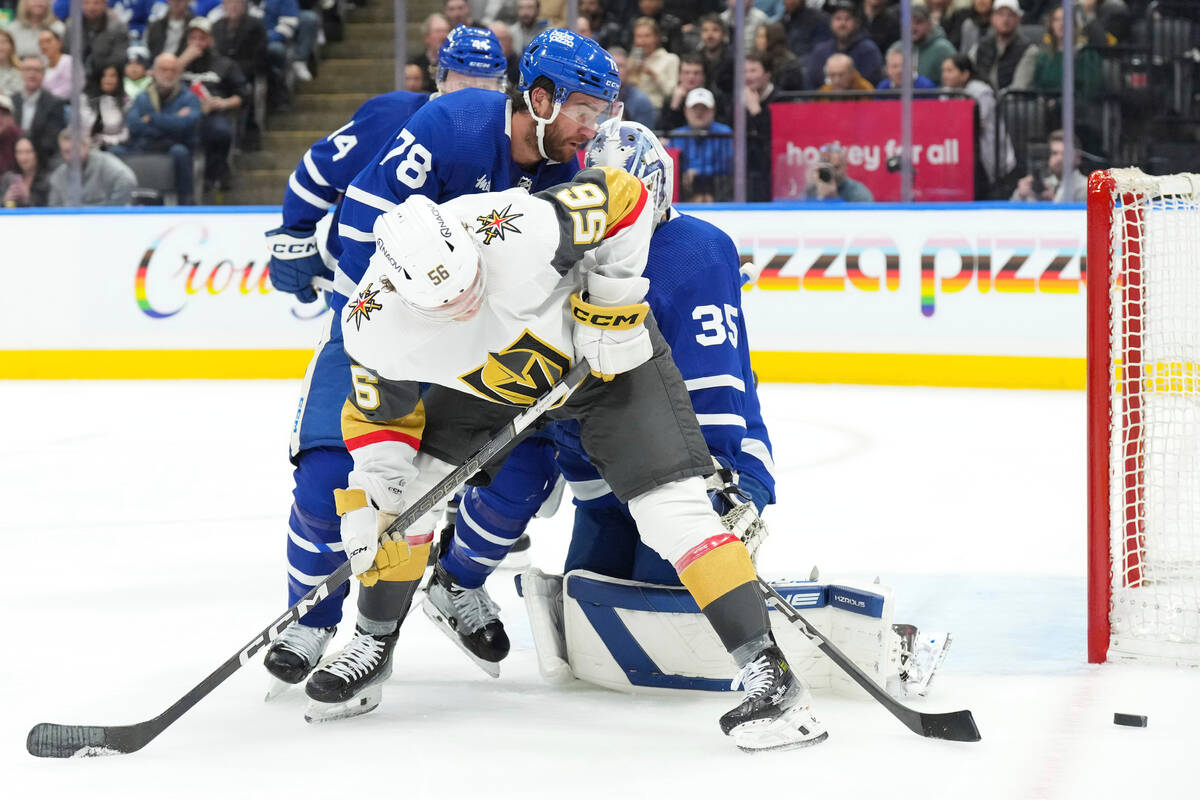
(51, 740)
(954, 726)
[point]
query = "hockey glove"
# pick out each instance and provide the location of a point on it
(370, 550)
(610, 325)
(738, 514)
(295, 261)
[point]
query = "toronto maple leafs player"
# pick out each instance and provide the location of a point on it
(487, 323)
(467, 142)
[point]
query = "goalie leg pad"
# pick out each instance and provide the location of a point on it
(639, 637)
(543, 596)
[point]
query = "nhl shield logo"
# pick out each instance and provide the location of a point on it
(520, 373)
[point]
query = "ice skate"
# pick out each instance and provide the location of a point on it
(920, 656)
(776, 713)
(352, 682)
(469, 618)
(293, 655)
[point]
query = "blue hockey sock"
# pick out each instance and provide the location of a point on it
(483, 535)
(314, 548)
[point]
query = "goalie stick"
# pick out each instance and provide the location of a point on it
(955, 726)
(52, 740)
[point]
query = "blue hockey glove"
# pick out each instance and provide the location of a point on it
(295, 261)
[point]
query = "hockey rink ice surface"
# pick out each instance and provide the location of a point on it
(143, 537)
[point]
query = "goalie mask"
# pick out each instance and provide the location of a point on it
(431, 260)
(632, 147)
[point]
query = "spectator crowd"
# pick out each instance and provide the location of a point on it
(176, 78)
(176, 82)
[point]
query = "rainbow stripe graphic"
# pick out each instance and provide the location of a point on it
(139, 281)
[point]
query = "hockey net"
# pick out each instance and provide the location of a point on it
(1144, 417)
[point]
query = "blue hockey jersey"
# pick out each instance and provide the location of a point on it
(695, 294)
(458, 145)
(329, 166)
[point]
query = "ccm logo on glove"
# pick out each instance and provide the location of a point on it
(302, 249)
(617, 318)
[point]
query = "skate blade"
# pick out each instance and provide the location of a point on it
(795, 745)
(366, 700)
(276, 689)
(442, 624)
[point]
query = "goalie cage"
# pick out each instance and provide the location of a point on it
(1143, 347)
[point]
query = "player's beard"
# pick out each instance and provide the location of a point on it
(560, 146)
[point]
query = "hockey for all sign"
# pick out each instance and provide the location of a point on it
(869, 132)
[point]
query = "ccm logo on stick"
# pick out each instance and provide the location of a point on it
(273, 632)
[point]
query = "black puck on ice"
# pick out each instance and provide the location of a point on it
(1131, 720)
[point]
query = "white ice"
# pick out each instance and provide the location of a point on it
(143, 533)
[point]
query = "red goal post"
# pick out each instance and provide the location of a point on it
(1143, 349)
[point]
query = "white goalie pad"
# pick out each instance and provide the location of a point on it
(640, 637)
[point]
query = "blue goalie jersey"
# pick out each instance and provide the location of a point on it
(453, 145)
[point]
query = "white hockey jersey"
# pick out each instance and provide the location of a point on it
(531, 248)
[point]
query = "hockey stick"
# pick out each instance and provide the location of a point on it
(956, 726)
(51, 740)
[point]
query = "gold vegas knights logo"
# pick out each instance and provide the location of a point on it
(361, 310)
(520, 373)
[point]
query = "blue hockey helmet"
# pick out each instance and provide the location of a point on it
(574, 63)
(474, 52)
(634, 148)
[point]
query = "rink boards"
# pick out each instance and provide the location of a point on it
(939, 295)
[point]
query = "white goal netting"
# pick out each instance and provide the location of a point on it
(1154, 446)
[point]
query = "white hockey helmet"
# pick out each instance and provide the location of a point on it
(634, 148)
(431, 259)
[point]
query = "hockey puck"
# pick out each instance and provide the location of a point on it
(1130, 720)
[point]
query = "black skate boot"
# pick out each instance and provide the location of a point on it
(293, 655)
(469, 618)
(352, 683)
(775, 713)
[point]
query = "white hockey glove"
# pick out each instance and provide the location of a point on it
(610, 325)
(738, 514)
(368, 548)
